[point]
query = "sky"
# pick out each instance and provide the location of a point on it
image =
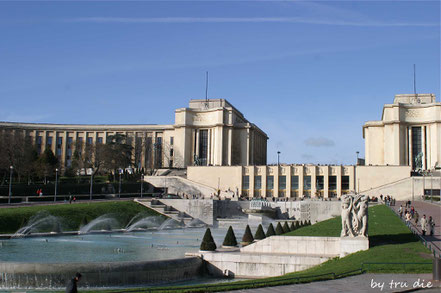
(308, 73)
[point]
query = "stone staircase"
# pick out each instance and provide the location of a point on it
(165, 210)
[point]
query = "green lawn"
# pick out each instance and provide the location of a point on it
(390, 240)
(71, 215)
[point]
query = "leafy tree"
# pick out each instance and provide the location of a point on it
(270, 231)
(286, 228)
(46, 164)
(247, 236)
(279, 229)
(208, 243)
(260, 234)
(230, 238)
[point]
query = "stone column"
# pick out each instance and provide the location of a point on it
(301, 174)
(325, 181)
(288, 181)
(338, 174)
(251, 174)
(276, 181)
(423, 146)
(313, 181)
(230, 142)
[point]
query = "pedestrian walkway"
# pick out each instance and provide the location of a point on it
(361, 284)
(428, 209)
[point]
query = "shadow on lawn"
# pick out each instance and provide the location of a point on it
(377, 240)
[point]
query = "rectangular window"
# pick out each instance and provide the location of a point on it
(295, 182)
(69, 142)
(171, 140)
(320, 183)
(417, 148)
(49, 142)
(307, 182)
(148, 152)
(270, 182)
(345, 182)
(246, 182)
(158, 152)
(203, 147)
(282, 182)
(89, 140)
(59, 142)
(99, 140)
(258, 182)
(332, 182)
(171, 152)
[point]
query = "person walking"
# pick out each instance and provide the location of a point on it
(417, 216)
(423, 225)
(400, 211)
(72, 286)
(431, 226)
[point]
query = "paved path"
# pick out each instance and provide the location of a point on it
(358, 284)
(429, 209)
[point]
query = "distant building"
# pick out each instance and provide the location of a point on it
(408, 134)
(208, 132)
(407, 138)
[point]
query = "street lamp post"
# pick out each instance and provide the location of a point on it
(356, 162)
(278, 158)
(142, 181)
(91, 185)
(11, 169)
(56, 182)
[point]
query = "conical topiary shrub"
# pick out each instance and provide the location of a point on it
(292, 227)
(230, 238)
(270, 231)
(298, 224)
(208, 243)
(286, 228)
(259, 233)
(247, 236)
(279, 229)
(308, 223)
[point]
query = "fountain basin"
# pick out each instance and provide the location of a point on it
(104, 274)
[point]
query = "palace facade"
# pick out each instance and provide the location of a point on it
(207, 133)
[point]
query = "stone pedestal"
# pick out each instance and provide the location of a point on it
(350, 245)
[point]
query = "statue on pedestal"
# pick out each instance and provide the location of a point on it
(354, 215)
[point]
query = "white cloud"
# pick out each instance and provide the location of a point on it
(306, 20)
(319, 142)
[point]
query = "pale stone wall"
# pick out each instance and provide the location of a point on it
(369, 177)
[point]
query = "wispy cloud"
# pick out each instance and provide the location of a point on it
(140, 20)
(319, 142)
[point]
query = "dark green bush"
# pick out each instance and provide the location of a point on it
(279, 229)
(293, 226)
(286, 228)
(260, 234)
(230, 238)
(208, 243)
(270, 231)
(247, 236)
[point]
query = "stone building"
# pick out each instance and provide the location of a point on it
(408, 134)
(208, 132)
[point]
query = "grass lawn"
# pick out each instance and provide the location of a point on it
(390, 241)
(71, 215)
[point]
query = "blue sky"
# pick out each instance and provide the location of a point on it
(308, 73)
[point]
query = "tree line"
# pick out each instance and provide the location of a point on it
(30, 165)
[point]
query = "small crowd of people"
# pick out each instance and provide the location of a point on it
(409, 213)
(388, 200)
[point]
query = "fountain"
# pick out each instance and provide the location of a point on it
(150, 250)
(41, 222)
(103, 223)
(143, 223)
